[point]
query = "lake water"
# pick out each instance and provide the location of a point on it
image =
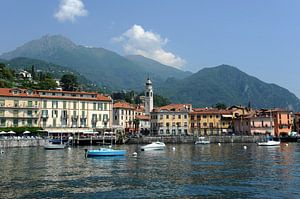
(189, 171)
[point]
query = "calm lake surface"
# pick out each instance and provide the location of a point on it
(189, 171)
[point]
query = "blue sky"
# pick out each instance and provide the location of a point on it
(261, 38)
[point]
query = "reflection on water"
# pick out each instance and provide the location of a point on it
(224, 171)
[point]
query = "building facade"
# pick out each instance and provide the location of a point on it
(204, 121)
(170, 120)
(54, 109)
(275, 122)
(124, 115)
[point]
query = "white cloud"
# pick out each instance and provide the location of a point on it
(70, 9)
(148, 44)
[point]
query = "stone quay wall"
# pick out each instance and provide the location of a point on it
(192, 139)
(9, 143)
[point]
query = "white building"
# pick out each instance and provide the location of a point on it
(54, 109)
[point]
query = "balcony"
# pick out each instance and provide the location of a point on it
(16, 106)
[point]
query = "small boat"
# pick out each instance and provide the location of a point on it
(52, 146)
(154, 146)
(104, 152)
(269, 142)
(202, 140)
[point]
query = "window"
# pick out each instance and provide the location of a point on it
(54, 104)
(29, 103)
(15, 122)
(167, 116)
(29, 122)
(3, 121)
(29, 113)
(105, 106)
(100, 107)
(198, 116)
(94, 106)
(74, 105)
(82, 105)
(179, 116)
(54, 113)
(204, 116)
(16, 103)
(205, 124)
(45, 104)
(161, 117)
(168, 131)
(161, 131)
(185, 116)
(15, 113)
(1, 113)
(2, 102)
(64, 104)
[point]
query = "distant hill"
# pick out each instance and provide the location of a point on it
(55, 70)
(227, 84)
(105, 67)
(156, 69)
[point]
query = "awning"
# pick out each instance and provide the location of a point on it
(227, 116)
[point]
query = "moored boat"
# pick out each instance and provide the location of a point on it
(105, 152)
(202, 140)
(51, 146)
(154, 146)
(269, 142)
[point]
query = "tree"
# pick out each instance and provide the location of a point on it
(69, 82)
(220, 106)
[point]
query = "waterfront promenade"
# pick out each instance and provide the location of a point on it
(38, 141)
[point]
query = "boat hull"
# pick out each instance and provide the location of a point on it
(269, 143)
(54, 146)
(202, 142)
(153, 146)
(105, 152)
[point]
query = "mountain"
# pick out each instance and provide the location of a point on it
(227, 84)
(55, 70)
(105, 67)
(156, 69)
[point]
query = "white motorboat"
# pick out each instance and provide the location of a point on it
(52, 146)
(154, 146)
(269, 143)
(202, 140)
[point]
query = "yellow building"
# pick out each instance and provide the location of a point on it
(205, 121)
(170, 120)
(54, 109)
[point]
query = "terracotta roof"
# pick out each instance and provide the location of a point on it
(210, 111)
(8, 92)
(124, 105)
(174, 107)
(143, 117)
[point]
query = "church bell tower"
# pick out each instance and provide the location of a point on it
(148, 97)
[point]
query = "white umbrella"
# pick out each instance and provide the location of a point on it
(3, 133)
(26, 132)
(11, 132)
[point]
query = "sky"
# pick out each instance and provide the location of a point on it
(261, 38)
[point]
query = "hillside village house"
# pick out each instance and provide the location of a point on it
(170, 120)
(210, 121)
(54, 109)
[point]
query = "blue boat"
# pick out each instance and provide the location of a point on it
(104, 152)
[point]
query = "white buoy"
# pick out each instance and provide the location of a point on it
(286, 144)
(173, 148)
(219, 144)
(245, 147)
(134, 154)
